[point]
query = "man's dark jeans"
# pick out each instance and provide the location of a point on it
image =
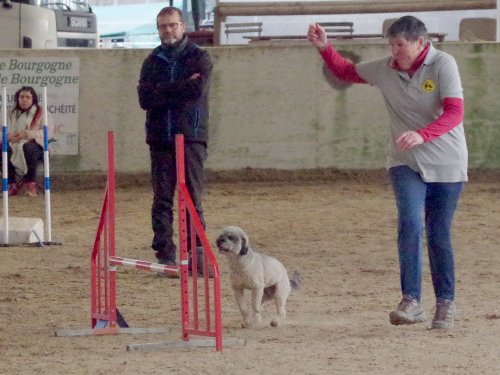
(164, 179)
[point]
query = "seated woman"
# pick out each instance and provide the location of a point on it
(25, 137)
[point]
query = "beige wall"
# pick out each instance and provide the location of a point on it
(271, 107)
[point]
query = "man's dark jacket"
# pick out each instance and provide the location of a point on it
(175, 104)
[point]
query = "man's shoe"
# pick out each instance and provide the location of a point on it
(408, 311)
(199, 265)
(445, 314)
(200, 272)
(168, 262)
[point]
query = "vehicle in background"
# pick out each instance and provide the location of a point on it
(134, 25)
(41, 24)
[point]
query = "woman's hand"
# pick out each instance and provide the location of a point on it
(13, 137)
(408, 140)
(316, 35)
(17, 136)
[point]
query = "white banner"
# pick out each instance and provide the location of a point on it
(61, 76)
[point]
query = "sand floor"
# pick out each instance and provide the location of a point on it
(340, 235)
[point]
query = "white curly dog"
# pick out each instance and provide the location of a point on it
(264, 275)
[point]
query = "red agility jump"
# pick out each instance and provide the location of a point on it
(202, 319)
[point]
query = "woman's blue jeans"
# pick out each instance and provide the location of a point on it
(434, 204)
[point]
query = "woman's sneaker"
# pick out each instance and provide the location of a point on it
(445, 314)
(409, 311)
(13, 189)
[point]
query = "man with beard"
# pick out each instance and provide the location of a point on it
(173, 89)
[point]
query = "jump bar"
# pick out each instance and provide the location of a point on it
(145, 266)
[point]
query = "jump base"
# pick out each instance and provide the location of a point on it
(117, 331)
(22, 230)
(180, 344)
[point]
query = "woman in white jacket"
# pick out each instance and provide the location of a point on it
(25, 137)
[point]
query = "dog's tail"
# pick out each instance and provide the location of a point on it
(296, 281)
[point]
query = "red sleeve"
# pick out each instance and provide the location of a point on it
(340, 66)
(453, 115)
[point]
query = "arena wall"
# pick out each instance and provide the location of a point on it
(271, 107)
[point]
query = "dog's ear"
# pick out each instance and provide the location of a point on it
(244, 245)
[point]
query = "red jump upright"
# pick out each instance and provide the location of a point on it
(197, 318)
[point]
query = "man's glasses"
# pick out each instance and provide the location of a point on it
(171, 26)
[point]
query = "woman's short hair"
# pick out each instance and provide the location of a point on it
(31, 90)
(407, 27)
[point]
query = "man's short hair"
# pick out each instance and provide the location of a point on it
(170, 10)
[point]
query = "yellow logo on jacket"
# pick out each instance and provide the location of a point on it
(428, 85)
